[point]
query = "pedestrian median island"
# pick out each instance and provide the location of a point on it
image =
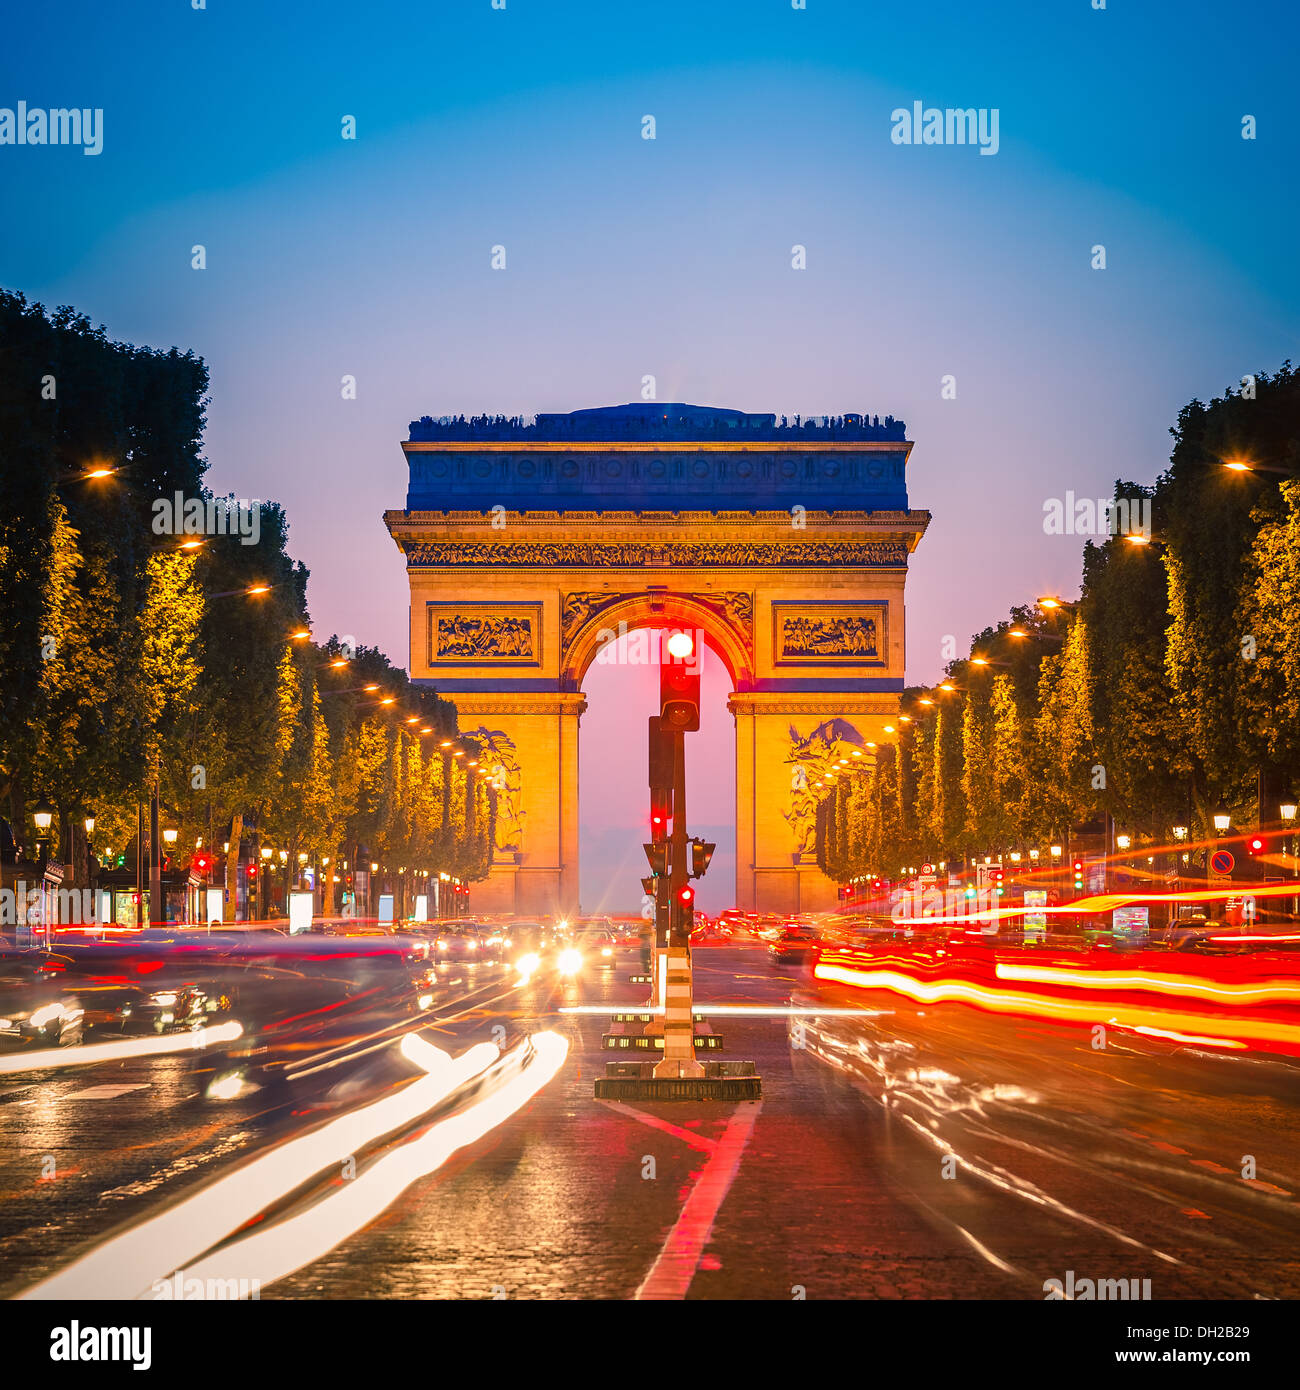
(722, 1080)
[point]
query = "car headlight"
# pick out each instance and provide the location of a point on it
(164, 999)
(570, 962)
(48, 1013)
(528, 963)
(473, 945)
(605, 951)
(442, 945)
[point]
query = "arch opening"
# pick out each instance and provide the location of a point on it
(621, 690)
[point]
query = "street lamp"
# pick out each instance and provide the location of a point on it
(1056, 851)
(1222, 818)
(90, 825)
(1123, 841)
(43, 815)
(1180, 832)
(169, 837)
(1287, 810)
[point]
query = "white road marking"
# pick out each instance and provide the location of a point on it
(106, 1092)
(671, 1274)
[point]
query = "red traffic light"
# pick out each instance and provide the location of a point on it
(1256, 845)
(679, 685)
(686, 895)
(252, 871)
(1078, 866)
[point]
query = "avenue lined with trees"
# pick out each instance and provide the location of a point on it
(186, 661)
(1169, 692)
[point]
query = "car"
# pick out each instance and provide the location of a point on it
(36, 1007)
(462, 942)
(794, 944)
(599, 946)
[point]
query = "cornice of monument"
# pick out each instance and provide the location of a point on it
(570, 521)
(657, 446)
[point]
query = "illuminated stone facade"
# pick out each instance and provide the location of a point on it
(787, 546)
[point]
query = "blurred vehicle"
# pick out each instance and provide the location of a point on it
(794, 944)
(462, 942)
(714, 933)
(36, 1008)
(598, 945)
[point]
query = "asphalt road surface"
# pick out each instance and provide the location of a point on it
(910, 1152)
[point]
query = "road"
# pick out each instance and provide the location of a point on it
(910, 1152)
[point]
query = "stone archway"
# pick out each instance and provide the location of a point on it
(510, 606)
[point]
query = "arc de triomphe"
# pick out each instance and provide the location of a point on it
(785, 544)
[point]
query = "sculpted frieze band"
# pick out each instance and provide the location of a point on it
(658, 555)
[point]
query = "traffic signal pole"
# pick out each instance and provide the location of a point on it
(673, 973)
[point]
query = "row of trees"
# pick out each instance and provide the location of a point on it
(1170, 690)
(130, 659)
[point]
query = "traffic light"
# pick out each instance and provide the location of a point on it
(661, 778)
(701, 853)
(252, 871)
(683, 915)
(657, 853)
(1256, 845)
(970, 890)
(679, 684)
(1078, 875)
(995, 876)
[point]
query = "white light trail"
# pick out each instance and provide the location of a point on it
(56, 1058)
(734, 1010)
(281, 1249)
(126, 1266)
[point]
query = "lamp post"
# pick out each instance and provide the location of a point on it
(263, 891)
(1287, 810)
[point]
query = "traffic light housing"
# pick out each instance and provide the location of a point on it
(995, 877)
(656, 852)
(1078, 875)
(683, 915)
(701, 853)
(679, 687)
(661, 778)
(1256, 845)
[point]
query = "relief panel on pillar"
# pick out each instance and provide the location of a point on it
(829, 749)
(499, 755)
